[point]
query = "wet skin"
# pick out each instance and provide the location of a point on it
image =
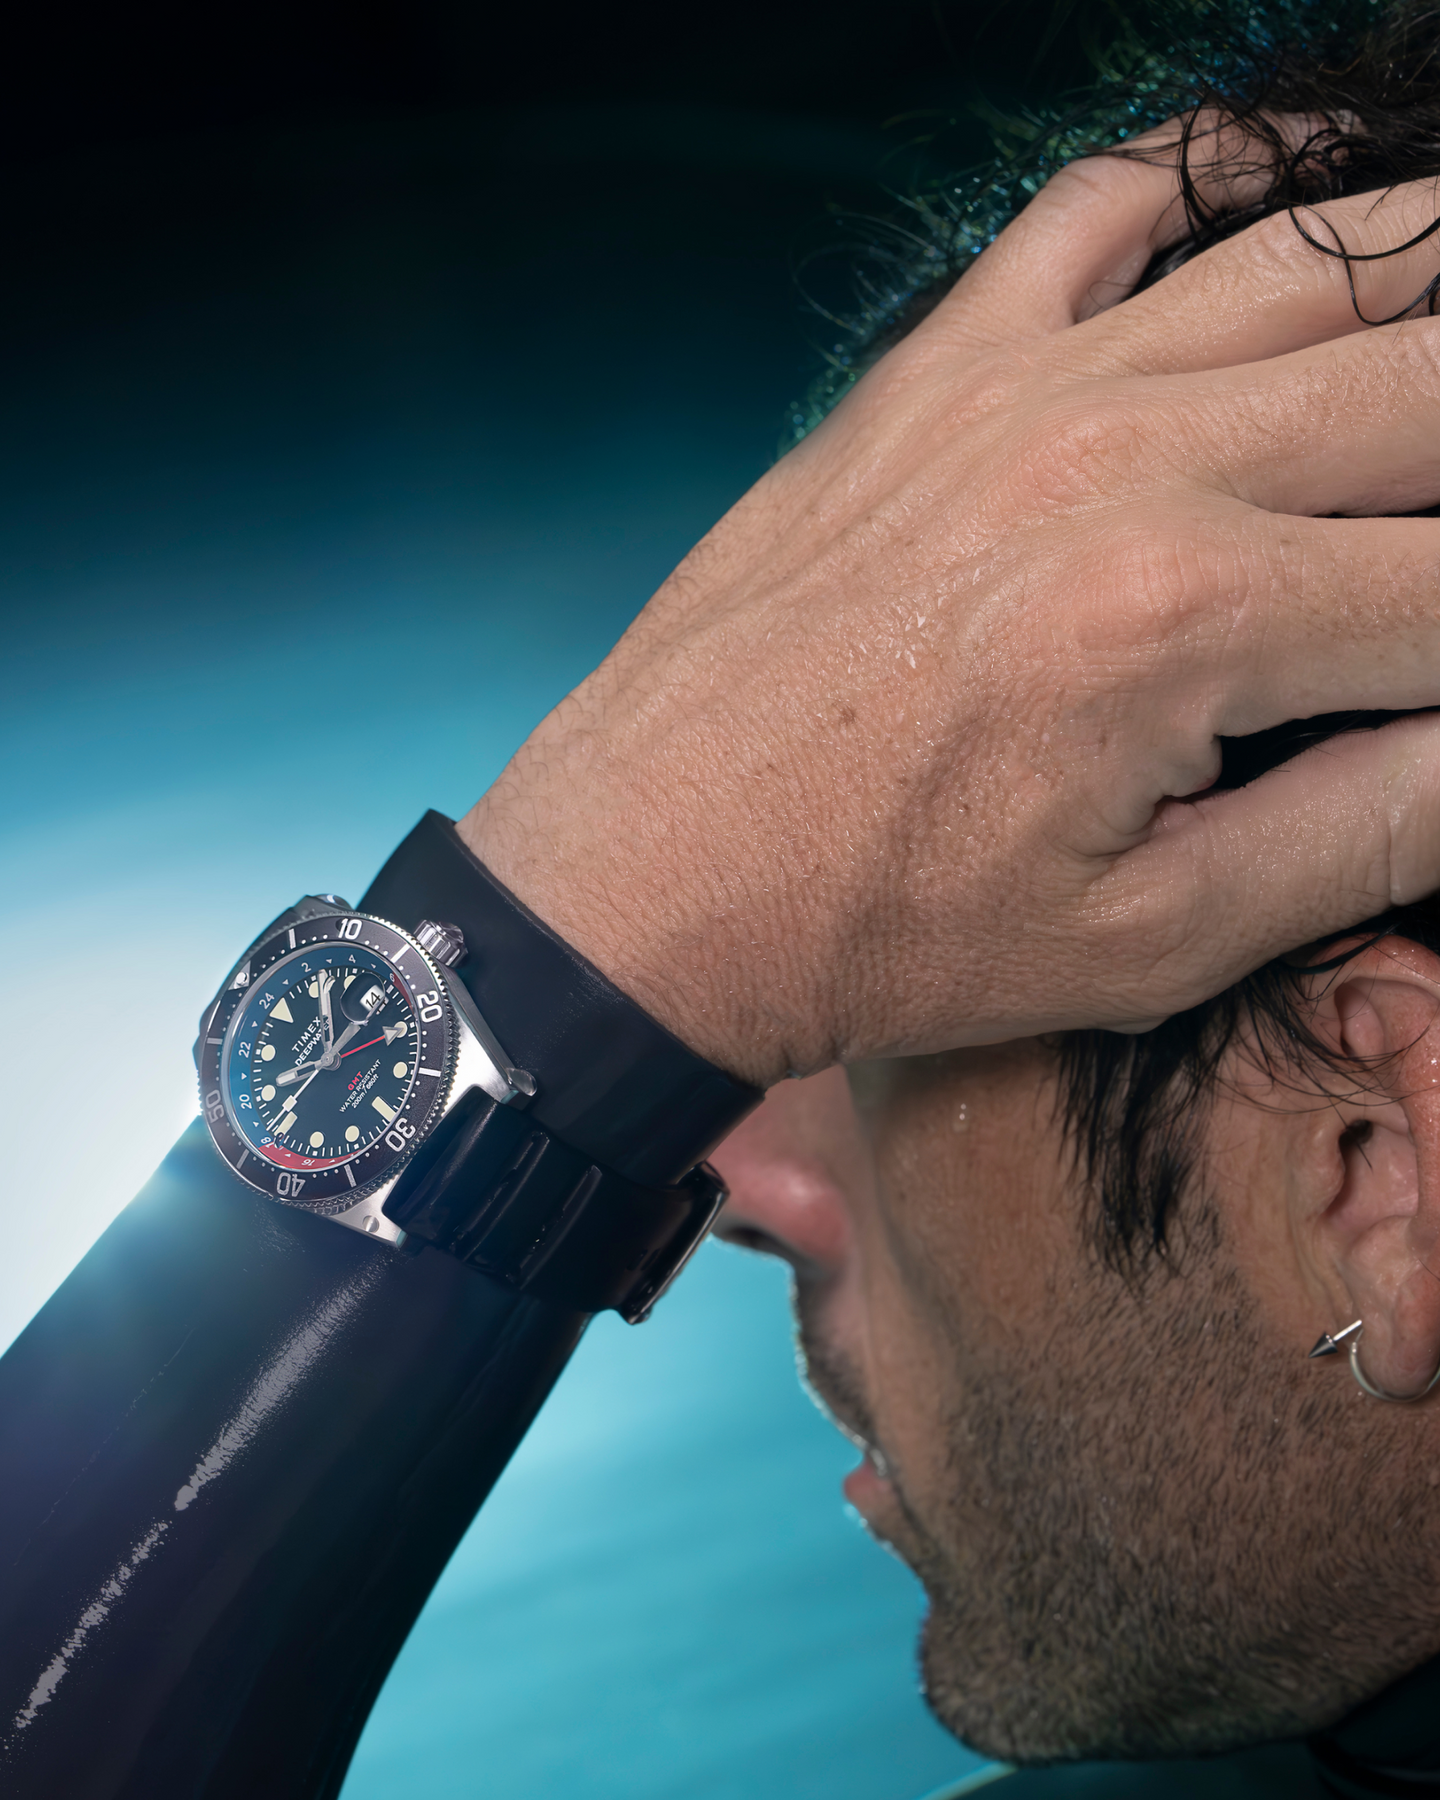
(1144, 1522)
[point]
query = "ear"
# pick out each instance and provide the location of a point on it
(1375, 1223)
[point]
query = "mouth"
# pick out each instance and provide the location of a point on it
(836, 1389)
(868, 1487)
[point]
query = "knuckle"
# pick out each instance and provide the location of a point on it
(1154, 585)
(1103, 178)
(1309, 251)
(1410, 360)
(1276, 242)
(1083, 446)
(1107, 184)
(1269, 257)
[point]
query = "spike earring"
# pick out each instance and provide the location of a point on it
(1326, 1345)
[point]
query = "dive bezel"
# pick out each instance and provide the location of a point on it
(332, 939)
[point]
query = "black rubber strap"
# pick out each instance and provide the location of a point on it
(613, 1083)
(501, 1194)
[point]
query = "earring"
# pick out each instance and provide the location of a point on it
(1326, 1345)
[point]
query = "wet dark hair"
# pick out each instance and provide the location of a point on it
(1135, 1108)
(1368, 73)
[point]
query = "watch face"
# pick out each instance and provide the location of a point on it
(326, 1060)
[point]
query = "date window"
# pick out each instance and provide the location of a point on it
(363, 999)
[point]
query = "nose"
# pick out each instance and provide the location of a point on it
(792, 1170)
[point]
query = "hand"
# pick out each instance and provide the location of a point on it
(329, 1054)
(337, 1048)
(897, 759)
(337, 1053)
(310, 1070)
(324, 982)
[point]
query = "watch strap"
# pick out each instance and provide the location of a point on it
(613, 1084)
(496, 1191)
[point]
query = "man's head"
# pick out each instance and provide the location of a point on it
(1146, 1522)
(1062, 1291)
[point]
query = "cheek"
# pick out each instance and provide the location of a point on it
(960, 1255)
(1260, 1165)
(977, 1224)
(917, 1371)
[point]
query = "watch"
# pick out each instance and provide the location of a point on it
(353, 1065)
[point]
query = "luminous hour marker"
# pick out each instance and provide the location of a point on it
(317, 1138)
(351, 1133)
(267, 1053)
(281, 1011)
(400, 1071)
(314, 990)
(387, 1113)
(267, 1092)
(348, 980)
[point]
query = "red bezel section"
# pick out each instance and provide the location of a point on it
(285, 1175)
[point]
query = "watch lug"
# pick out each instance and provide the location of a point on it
(479, 1059)
(366, 1217)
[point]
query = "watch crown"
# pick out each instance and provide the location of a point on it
(445, 943)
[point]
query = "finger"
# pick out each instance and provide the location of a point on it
(1279, 286)
(1267, 618)
(1225, 883)
(1344, 427)
(1085, 239)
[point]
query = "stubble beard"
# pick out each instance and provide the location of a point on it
(1153, 1537)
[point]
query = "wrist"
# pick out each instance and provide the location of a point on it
(649, 902)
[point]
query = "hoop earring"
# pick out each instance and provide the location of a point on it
(1326, 1345)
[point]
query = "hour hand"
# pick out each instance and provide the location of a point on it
(294, 1074)
(326, 982)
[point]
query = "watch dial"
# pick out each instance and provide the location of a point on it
(331, 1061)
(326, 1069)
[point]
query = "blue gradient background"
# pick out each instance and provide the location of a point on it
(444, 400)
